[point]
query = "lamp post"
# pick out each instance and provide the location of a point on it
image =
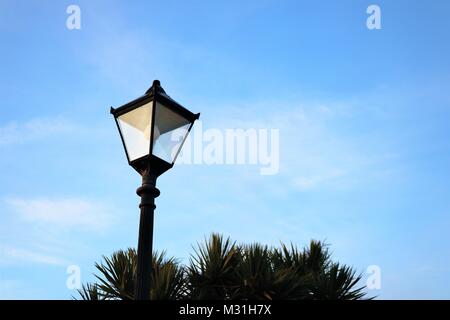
(153, 129)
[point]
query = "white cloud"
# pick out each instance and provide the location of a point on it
(41, 230)
(10, 254)
(304, 183)
(65, 213)
(16, 132)
(316, 150)
(9, 289)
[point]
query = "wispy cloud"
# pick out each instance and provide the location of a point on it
(37, 128)
(41, 230)
(63, 212)
(9, 289)
(316, 149)
(10, 254)
(304, 183)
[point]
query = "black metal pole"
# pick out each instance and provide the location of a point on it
(148, 192)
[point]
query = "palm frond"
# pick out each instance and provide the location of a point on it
(117, 274)
(91, 291)
(210, 274)
(168, 279)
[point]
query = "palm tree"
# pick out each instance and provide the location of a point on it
(91, 292)
(325, 279)
(211, 272)
(117, 274)
(263, 274)
(220, 269)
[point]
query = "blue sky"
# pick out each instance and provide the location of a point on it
(363, 116)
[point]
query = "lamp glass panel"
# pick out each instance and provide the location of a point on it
(169, 133)
(135, 128)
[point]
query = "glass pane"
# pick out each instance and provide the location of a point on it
(169, 133)
(135, 128)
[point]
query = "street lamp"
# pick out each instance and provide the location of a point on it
(153, 129)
